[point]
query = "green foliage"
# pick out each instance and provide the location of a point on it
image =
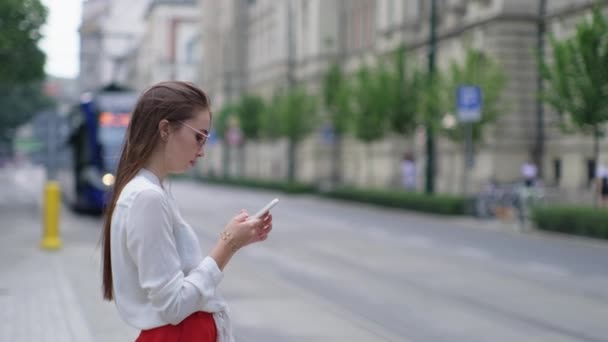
(577, 76)
(21, 60)
(287, 187)
(18, 104)
(403, 94)
(432, 100)
(294, 113)
(270, 123)
(21, 63)
(370, 103)
(221, 120)
(250, 110)
(572, 220)
(481, 70)
(437, 204)
(337, 99)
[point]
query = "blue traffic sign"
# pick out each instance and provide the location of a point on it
(468, 103)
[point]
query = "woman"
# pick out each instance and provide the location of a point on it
(152, 263)
(408, 172)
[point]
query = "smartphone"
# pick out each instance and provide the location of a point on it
(266, 208)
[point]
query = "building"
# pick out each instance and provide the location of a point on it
(170, 46)
(223, 27)
(295, 41)
(109, 33)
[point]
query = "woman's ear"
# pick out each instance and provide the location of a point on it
(163, 129)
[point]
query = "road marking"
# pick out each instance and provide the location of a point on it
(417, 241)
(544, 268)
(473, 252)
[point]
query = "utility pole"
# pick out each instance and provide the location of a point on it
(336, 172)
(430, 134)
(291, 82)
(291, 58)
(539, 150)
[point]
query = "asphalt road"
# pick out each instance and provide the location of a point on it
(337, 271)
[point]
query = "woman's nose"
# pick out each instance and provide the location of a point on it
(200, 153)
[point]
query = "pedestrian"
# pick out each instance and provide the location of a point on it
(602, 184)
(153, 267)
(408, 172)
(529, 173)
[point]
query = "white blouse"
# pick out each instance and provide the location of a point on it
(159, 274)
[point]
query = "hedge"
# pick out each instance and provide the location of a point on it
(436, 204)
(583, 221)
(292, 188)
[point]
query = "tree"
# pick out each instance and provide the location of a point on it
(249, 110)
(485, 72)
(337, 100)
(18, 104)
(577, 78)
(21, 60)
(371, 105)
(296, 117)
(270, 127)
(21, 63)
(403, 95)
(221, 122)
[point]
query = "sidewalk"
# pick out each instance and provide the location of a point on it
(56, 296)
(44, 295)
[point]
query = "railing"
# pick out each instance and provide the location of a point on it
(508, 201)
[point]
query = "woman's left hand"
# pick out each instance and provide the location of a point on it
(265, 229)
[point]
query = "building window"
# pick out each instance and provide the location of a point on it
(590, 171)
(389, 13)
(304, 28)
(360, 23)
(191, 50)
(557, 171)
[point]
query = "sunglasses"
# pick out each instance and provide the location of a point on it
(201, 138)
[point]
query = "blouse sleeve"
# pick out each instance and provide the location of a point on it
(151, 244)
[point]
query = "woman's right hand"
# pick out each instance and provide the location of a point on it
(243, 230)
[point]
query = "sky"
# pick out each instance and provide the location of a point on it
(60, 42)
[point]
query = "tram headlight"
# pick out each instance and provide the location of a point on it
(108, 179)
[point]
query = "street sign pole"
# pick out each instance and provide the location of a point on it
(468, 155)
(468, 102)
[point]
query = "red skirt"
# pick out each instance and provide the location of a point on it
(198, 327)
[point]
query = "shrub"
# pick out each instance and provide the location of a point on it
(292, 188)
(584, 221)
(437, 204)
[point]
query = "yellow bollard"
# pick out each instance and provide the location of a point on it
(52, 205)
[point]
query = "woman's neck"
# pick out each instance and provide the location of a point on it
(156, 165)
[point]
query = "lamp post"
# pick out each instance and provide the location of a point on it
(430, 134)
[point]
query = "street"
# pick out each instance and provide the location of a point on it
(330, 271)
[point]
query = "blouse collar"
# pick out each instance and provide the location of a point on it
(149, 175)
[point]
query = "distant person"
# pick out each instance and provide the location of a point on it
(408, 172)
(601, 177)
(153, 267)
(529, 173)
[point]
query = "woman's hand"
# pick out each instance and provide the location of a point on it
(242, 230)
(238, 233)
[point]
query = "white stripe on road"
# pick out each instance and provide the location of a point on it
(472, 252)
(540, 267)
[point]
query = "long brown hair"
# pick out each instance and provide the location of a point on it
(173, 101)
